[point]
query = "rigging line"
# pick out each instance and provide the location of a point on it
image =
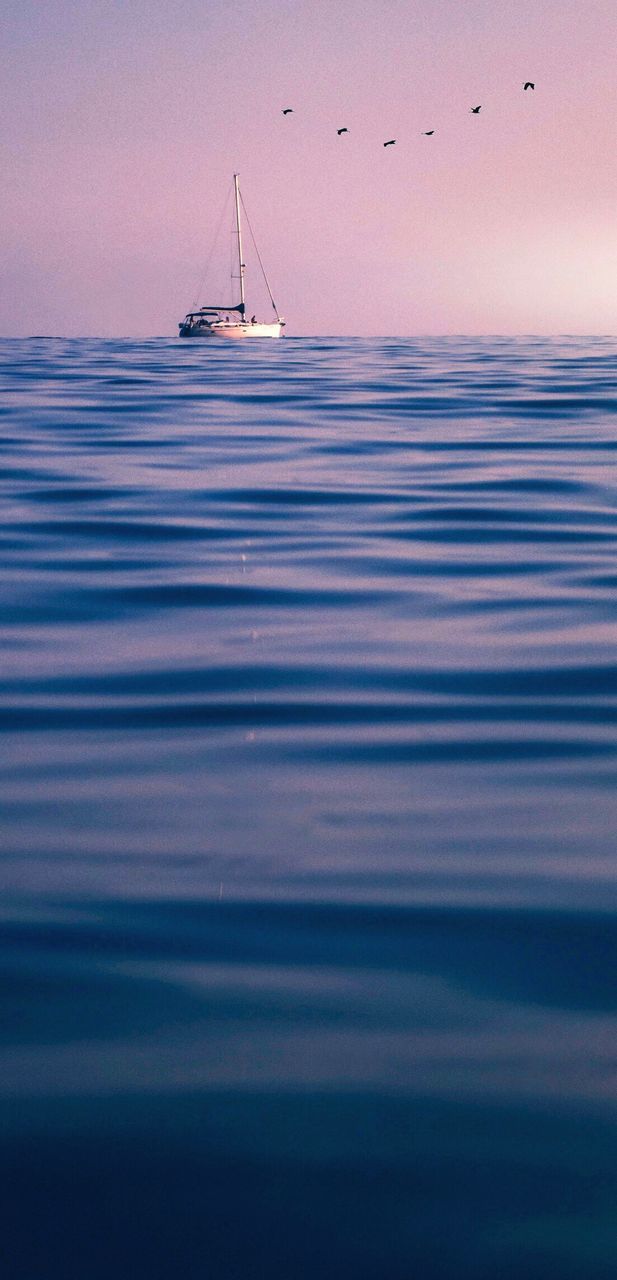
(263, 270)
(212, 248)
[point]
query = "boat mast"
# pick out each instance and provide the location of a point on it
(239, 234)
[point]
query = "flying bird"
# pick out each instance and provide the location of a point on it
(528, 85)
(428, 133)
(390, 143)
(287, 111)
(340, 131)
(475, 110)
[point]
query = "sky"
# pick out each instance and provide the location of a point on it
(122, 124)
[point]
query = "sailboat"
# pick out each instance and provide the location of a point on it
(230, 321)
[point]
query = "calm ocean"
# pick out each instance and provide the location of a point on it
(309, 809)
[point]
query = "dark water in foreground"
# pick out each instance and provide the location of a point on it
(309, 689)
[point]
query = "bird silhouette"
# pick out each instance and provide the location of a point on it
(340, 131)
(428, 133)
(475, 110)
(287, 111)
(528, 85)
(390, 143)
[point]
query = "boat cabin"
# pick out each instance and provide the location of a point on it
(206, 317)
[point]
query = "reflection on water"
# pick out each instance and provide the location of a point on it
(307, 695)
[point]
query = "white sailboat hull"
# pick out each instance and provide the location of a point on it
(233, 331)
(247, 330)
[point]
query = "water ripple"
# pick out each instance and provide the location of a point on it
(309, 791)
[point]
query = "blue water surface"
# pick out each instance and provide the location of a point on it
(309, 909)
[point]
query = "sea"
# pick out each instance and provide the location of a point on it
(309, 883)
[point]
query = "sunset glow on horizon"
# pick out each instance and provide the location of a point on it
(124, 126)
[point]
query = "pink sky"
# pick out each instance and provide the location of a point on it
(123, 124)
